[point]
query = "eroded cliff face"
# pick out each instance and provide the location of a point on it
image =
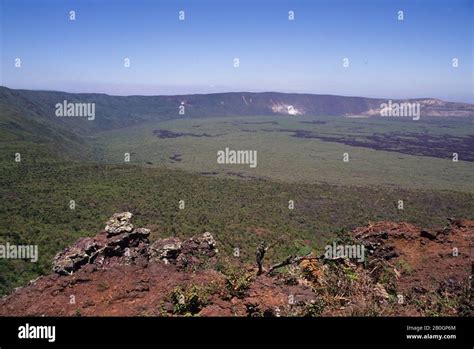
(119, 272)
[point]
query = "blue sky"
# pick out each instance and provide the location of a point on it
(387, 58)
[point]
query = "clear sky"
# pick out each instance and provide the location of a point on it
(387, 58)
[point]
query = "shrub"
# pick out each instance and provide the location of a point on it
(238, 281)
(190, 300)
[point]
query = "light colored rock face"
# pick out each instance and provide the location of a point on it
(428, 107)
(209, 239)
(165, 249)
(203, 243)
(281, 108)
(142, 231)
(119, 223)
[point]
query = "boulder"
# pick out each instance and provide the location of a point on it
(167, 249)
(84, 251)
(203, 245)
(183, 253)
(119, 223)
(196, 250)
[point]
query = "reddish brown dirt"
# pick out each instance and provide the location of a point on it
(430, 276)
(139, 290)
(423, 259)
(427, 255)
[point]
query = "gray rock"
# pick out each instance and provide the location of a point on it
(203, 244)
(165, 249)
(84, 251)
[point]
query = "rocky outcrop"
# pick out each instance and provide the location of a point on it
(121, 243)
(184, 253)
(119, 272)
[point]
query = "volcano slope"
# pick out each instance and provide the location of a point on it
(119, 272)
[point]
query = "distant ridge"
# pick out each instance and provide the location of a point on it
(19, 106)
(231, 103)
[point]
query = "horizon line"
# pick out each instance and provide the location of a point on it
(230, 92)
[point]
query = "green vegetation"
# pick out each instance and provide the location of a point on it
(102, 287)
(289, 157)
(59, 165)
(446, 301)
(190, 300)
(35, 209)
(314, 309)
(404, 266)
(237, 280)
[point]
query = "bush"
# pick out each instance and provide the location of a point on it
(190, 300)
(238, 281)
